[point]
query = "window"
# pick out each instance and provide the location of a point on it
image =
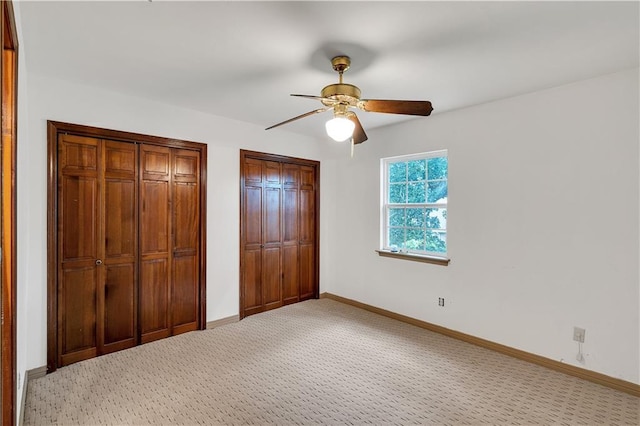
(414, 203)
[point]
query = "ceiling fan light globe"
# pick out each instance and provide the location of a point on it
(340, 128)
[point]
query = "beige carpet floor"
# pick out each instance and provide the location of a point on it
(318, 362)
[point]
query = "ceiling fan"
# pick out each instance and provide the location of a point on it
(342, 96)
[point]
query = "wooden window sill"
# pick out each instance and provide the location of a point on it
(415, 257)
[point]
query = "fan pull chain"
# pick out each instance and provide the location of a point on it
(352, 145)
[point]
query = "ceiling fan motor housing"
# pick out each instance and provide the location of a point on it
(342, 92)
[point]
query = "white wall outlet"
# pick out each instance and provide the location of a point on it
(578, 334)
(440, 301)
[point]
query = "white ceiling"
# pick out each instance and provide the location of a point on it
(241, 60)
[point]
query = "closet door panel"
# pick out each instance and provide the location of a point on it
(186, 226)
(154, 237)
(121, 159)
(120, 224)
(307, 211)
(119, 311)
(271, 229)
(307, 271)
(290, 240)
(272, 237)
(119, 283)
(272, 173)
(155, 162)
(307, 206)
(271, 277)
(184, 297)
(252, 281)
(252, 217)
(78, 213)
(252, 172)
(155, 243)
(79, 247)
(186, 166)
(78, 155)
(77, 311)
(118, 296)
(290, 274)
(185, 218)
(290, 216)
(154, 303)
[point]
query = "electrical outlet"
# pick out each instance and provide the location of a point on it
(578, 334)
(19, 383)
(440, 301)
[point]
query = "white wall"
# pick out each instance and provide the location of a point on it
(543, 224)
(57, 100)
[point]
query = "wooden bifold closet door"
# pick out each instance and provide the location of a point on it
(128, 242)
(278, 231)
(169, 242)
(97, 246)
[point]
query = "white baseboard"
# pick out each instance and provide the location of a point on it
(223, 321)
(32, 374)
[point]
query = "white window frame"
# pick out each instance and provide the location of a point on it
(385, 206)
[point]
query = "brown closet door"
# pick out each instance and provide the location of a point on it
(126, 246)
(79, 218)
(169, 242)
(278, 260)
(97, 229)
(251, 275)
(186, 241)
(117, 304)
(262, 241)
(155, 242)
(307, 215)
(272, 236)
(290, 243)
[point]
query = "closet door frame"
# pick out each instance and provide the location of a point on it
(244, 154)
(54, 128)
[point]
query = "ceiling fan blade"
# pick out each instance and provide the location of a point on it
(308, 96)
(306, 114)
(396, 107)
(359, 135)
(320, 98)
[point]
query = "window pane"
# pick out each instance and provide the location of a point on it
(415, 218)
(413, 183)
(397, 172)
(396, 237)
(438, 168)
(417, 170)
(416, 192)
(397, 193)
(436, 218)
(415, 239)
(437, 242)
(437, 191)
(396, 217)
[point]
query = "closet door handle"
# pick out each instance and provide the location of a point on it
(261, 245)
(98, 262)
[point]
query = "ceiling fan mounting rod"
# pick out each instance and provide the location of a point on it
(341, 64)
